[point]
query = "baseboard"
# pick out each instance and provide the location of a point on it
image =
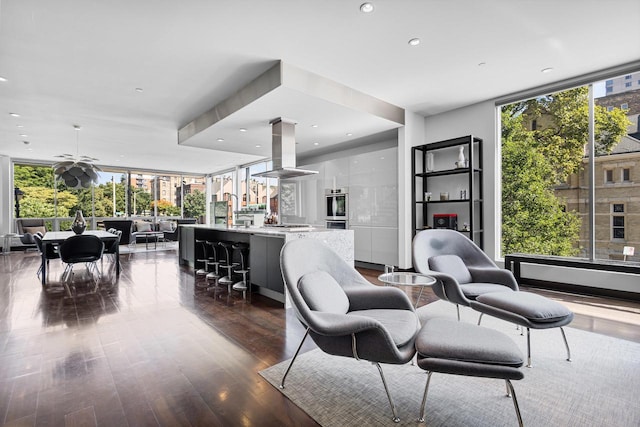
(581, 290)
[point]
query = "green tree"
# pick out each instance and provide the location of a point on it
(194, 204)
(142, 201)
(563, 128)
(533, 218)
(534, 162)
(33, 176)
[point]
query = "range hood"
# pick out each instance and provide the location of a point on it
(283, 151)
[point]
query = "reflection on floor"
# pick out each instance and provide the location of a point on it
(153, 349)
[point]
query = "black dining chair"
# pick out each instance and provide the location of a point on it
(82, 248)
(46, 253)
(112, 247)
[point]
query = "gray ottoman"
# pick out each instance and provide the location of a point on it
(527, 310)
(451, 347)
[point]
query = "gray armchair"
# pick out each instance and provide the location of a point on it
(344, 314)
(463, 271)
(27, 227)
(467, 276)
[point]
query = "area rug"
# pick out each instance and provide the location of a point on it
(600, 387)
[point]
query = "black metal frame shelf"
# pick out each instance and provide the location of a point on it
(421, 179)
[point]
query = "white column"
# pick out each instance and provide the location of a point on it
(408, 136)
(6, 195)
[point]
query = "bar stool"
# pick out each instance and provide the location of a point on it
(243, 285)
(201, 272)
(227, 264)
(212, 261)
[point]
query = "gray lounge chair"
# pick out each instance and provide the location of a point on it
(467, 276)
(344, 314)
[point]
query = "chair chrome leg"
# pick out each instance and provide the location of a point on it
(395, 418)
(566, 344)
(515, 403)
(529, 348)
(480, 318)
(424, 398)
(458, 310)
(507, 385)
(284, 377)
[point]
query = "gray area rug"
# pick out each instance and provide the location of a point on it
(600, 387)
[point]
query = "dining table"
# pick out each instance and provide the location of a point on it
(57, 237)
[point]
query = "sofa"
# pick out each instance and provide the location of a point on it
(169, 227)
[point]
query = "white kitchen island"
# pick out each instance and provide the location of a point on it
(265, 244)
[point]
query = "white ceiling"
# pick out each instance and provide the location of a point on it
(79, 62)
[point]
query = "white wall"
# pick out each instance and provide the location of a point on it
(478, 120)
(6, 195)
(481, 120)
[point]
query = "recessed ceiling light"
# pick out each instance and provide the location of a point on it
(414, 42)
(14, 114)
(481, 64)
(314, 126)
(26, 142)
(258, 145)
(242, 130)
(3, 79)
(77, 127)
(20, 126)
(546, 70)
(24, 135)
(366, 7)
(316, 143)
(220, 139)
(139, 89)
(29, 149)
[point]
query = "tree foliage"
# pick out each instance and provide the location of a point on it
(535, 161)
(563, 128)
(194, 204)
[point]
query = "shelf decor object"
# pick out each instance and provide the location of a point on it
(457, 172)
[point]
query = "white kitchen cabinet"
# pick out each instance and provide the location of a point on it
(362, 243)
(373, 189)
(384, 245)
(377, 245)
(336, 171)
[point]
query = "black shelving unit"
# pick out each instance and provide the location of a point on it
(468, 205)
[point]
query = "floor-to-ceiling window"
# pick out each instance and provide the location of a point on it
(117, 193)
(552, 204)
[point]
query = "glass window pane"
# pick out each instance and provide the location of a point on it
(615, 147)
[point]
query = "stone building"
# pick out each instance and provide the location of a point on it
(617, 189)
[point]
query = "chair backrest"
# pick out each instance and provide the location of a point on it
(81, 248)
(124, 225)
(429, 244)
(306, 262)
(112, 246)
(25, 224)
(38, 239)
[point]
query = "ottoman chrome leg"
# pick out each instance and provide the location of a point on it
(424, 397)
(515, 403)
(529, 348)
(566, 344)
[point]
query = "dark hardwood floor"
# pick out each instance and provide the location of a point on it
(151, 348)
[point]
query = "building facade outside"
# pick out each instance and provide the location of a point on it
(617, 188)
